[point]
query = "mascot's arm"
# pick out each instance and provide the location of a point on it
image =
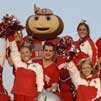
(3, 54)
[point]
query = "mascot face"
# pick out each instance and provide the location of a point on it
(44, 25)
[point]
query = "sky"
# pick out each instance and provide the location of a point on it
(71, 12)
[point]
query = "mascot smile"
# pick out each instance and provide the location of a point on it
(44, 24)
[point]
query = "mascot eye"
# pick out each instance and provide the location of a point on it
(36, 17)
(48, 18)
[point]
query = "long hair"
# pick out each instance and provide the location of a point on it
(84, 23)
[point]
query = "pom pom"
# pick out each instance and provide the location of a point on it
(9, 25)
(65, 49)
(84, 21)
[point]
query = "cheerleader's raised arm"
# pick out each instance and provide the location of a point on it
(29, 75)
(3, 53)
(15, 54)
(88, 84)
(74, 73)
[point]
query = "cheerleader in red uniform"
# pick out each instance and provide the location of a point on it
(51, 72)
(20, 43)
(87, 83)
(98, 44)
(28, 80)
(3, 93)
(85, 43)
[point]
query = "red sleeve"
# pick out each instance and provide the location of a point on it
(55, 78)
(11, 38)
(79, 57)
(60, 60)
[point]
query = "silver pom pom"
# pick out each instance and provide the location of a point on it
(48, 96)
(84, 21)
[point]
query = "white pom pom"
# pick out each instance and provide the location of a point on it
(84, 21)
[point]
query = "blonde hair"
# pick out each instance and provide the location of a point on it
(88, 61)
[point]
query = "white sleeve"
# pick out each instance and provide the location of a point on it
(39, 76)
(15, 55)
(3, 53)
(74, 73)
(99, 88)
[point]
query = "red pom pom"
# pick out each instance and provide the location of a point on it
(9, 25)
(64, 48)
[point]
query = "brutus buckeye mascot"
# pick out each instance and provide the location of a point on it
(41, 27)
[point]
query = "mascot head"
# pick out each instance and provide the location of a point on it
(44, 24)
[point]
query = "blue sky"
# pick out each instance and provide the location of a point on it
(71, 11)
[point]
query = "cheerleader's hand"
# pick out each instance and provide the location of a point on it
(47, 79)
(63, 65)
(49, 89)
(11, 38)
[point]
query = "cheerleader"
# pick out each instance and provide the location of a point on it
(98, 44)
(20, 43)
(87, 83)
(28, 82)
(50, 68)
(85, 43)
(3, 93)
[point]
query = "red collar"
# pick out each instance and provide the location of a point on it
(92, 77)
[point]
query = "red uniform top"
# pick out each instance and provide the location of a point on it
(98, 43)
(25, 82)
(37, 49)
(52, 72)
